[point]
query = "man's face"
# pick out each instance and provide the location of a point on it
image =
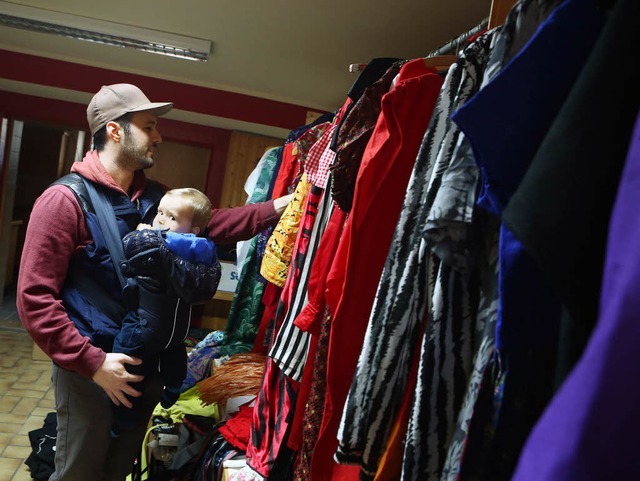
(174, 215)
(140, 142)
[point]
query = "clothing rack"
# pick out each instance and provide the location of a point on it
(452, 46)
(455, 44)
(497, 16)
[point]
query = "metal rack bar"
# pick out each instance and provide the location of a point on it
(455, 44)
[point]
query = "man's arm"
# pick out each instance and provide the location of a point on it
(234, 224)
(55, 232)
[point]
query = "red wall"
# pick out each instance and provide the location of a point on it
(56, 73)
(83, 78)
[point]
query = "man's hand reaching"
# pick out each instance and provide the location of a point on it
(112, 376)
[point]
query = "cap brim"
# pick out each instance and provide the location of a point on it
(158, 108)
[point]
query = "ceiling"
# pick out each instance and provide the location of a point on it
(296, 52)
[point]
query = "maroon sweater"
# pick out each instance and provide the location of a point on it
(57, 231)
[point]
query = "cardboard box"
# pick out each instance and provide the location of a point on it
(229, 277)
(232, 466)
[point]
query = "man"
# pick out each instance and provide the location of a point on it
(69, 297)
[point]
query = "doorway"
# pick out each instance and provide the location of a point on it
(39, 153)
(42, 153)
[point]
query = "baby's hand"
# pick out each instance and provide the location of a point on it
(143, 226)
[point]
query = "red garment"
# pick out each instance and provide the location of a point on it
(278, 395)
(57, 231)
(312, 416)
(270, 423)
(294, 441)
(307, 417)
(321, 157)
(236, 430)
(273, 415)
(287, 173)
(270, 299)
(382, 179)
(311, 316)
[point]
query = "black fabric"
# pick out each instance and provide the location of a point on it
(561, 210)
(160, 286)
(43, 443)
(196, 435)
(371, 73)
(352, 136)
(76, 184)
(374, 70)
(205, 467)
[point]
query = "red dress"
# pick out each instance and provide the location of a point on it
(382, 179)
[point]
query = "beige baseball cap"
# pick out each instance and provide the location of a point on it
(113, 101)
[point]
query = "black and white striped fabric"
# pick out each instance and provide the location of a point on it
(519, 26)
(447, 347)
(291, 345)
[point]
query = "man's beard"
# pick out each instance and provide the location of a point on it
(135, 158)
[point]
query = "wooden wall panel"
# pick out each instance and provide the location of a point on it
(245, 150)
(499, 11)
(180, 165)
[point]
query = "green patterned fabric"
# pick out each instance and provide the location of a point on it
(246, 309)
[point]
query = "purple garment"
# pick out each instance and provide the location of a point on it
(590, 430)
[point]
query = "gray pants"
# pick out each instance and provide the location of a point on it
(84, 448)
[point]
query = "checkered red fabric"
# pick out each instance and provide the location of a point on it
(320, 158)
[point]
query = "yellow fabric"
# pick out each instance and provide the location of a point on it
(279, 248)
(188, 403)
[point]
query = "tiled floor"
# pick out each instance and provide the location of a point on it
(26, 393)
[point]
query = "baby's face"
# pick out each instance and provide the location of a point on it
(174, 215)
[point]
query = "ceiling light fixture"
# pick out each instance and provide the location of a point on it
(100, 31)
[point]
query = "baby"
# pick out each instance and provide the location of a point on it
(168, 268)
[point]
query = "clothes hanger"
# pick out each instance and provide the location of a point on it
(440, 62)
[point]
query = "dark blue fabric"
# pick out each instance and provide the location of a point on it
(296, 133)
(506, 122)
(107, 224)
(159, 318)
(529, 310)
(92, 287)
(508, 118)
